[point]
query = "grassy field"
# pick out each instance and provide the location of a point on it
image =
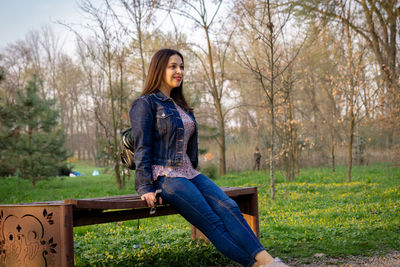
(317, 213)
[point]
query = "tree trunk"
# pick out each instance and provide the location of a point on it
(272, 103)
(141, 54)
(333, 152)
(222, 149)
(114, 144)
(218, 107)
(297, 160)
(33, 178)
(350, 148)
(351, 102)
(272, 154)
(292, 134)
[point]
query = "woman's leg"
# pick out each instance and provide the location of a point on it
(229, 212)
(184, 196)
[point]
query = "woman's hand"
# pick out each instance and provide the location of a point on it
(150, 199)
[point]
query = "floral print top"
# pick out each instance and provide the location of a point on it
(186, 170)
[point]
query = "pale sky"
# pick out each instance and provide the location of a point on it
(18, 17)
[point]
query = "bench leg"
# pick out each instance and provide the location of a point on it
(36, 236)
(249, 206)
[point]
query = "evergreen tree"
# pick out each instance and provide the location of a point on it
(7, 123)
(31, 141)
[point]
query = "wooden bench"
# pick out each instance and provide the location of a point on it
(41, 234)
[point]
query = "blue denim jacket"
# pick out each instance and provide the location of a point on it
(158, 132)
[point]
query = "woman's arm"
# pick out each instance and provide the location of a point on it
(142, 123)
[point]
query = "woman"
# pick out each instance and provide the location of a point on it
(166, 155)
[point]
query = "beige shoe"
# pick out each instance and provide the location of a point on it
(276, 263)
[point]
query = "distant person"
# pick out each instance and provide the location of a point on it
(165, 136)
(257, 159)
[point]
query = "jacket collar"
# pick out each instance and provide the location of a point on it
(160, 96)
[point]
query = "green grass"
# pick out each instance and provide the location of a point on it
(15, 190)
(317, 213)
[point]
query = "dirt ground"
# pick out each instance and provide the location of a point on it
(391, 259)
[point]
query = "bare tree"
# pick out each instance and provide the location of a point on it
(264, 59)
(353, 72)
(290, 126)
(336, 87)
(377, 22)
(140, 15)
(212, 59)
(105, 49)
(93, 101)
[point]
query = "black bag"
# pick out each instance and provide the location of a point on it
(127, 149)
(128, 144)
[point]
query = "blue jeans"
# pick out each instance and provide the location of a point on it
(201, 202)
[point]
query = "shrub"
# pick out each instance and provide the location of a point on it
(210, 170)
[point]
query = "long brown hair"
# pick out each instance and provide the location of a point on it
(155, 76)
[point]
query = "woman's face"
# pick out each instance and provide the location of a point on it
(173, 74)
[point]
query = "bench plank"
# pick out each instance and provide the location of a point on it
(134, 201)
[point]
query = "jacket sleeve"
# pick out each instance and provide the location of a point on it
(142, 123)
